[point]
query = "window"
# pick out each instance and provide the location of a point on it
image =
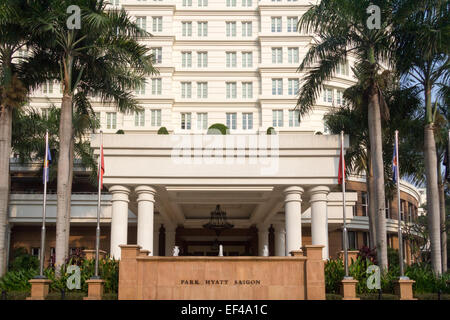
(365, 203)
(276, 24)
(142, 24)
(186, 29)
(157, 55)
(402, 209)
(231, 59)
(186, 89)
(231, 120)
(327, 95)
(231, 29)
(246, 29)
(186, 121)
(36, 252)
(277, 86)
(339, 96)
(293, 55)
(342, 69)
(231, 3)
(202, 3)
(187, 3)
(410, 212)
(292, 24)
(202, 59)
(277, 55)
(388, 211)
(111, 120)
(247, 121)
(140, 89)
(202, 121)
(247, 90)
(246, 3)
(115, 2)
(186, 59)
(202, 29)
(156, 86)
(293, 87)
(231, 90)
(47, 87)
(139, 118)
(247, 59)
(277, 118)
(156, 118)
(352, 243)
(366, 239)
(202, 89)
(157, 24)
(294, 118)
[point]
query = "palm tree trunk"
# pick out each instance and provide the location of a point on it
(376, 158)
(433, 214)
(442, 220)
(69, 204)
(5, 153)
(372, 211)
(64, 180)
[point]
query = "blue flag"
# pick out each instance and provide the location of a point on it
(47, 164)
(395, 163)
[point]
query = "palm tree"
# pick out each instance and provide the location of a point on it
(103, 59)
(423, 47)
(342, 31)
(14, 88)
(352, 118)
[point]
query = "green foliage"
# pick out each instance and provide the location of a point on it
(271, 130)
(163, 130)
(22, 260)
(334, 273)
(425, 279)
(120, 131)
(218, 128)
(17, 280)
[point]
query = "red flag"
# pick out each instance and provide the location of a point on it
(102, 167)
(340, 174)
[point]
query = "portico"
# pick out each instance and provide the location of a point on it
(280, 183)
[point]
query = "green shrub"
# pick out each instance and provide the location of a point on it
(17, 280)
(217, 128)
(271, 130)
(334, 273)
(163, 130)
(425, 280)
(120, 131)
(23, 260)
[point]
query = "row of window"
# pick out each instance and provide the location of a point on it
(230, 26)
(204, 3)
(231, 57)
(202, 119)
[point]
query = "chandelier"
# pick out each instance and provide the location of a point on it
(218, 221)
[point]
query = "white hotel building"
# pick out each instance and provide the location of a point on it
(220, 61)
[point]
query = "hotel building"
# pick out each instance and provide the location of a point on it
(232, 62)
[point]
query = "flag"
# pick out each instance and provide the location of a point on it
(102, 167)
(46, 164)
(340, 174)
(395, 163)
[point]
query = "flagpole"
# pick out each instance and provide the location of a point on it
(44, 209)
(344, 233)
(399, 218)
(97, 232)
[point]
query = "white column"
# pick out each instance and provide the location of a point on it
(263, 238)
(119, 218)
(280, 239)
(146, 203)
(293, 218)
(156, 241)
(170, 239)
(319, 218)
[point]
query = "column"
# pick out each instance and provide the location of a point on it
(146, 203)
(319, 218)
(293, 218)
(263, 238)
(280, 239)
(170, 239)
(119, 219)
